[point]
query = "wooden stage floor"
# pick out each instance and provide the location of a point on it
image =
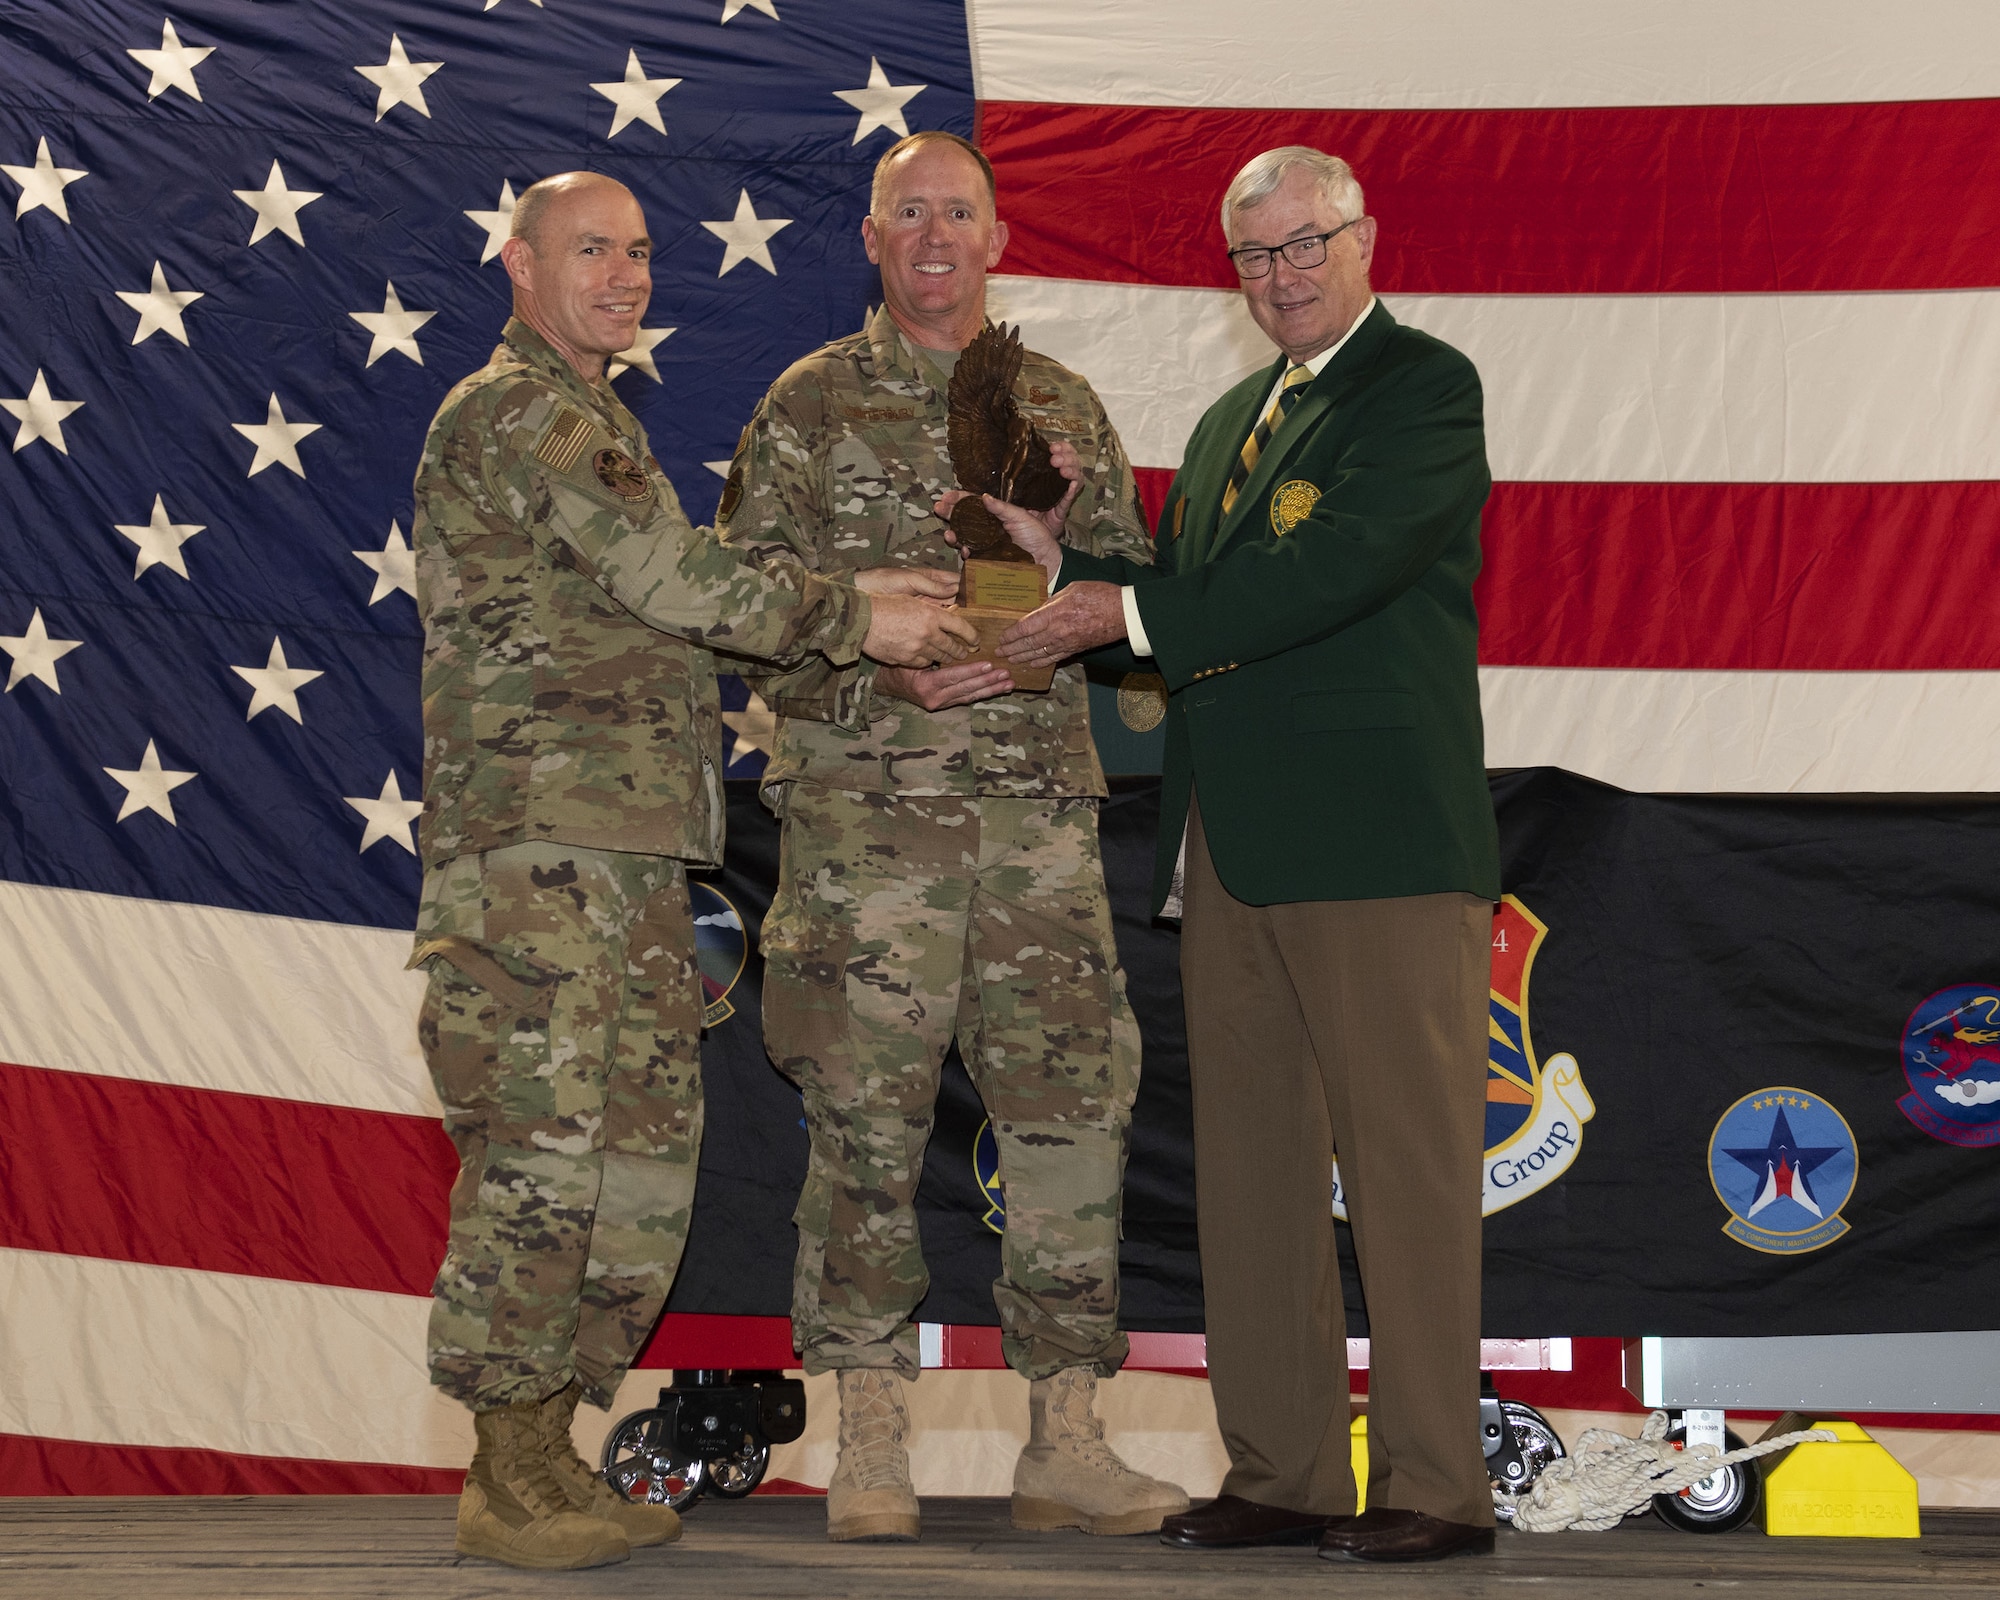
(217, 1549)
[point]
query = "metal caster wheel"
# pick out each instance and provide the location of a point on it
(1522, 1453)
(734, 1476)
(640, 1462)
(1721, 1503)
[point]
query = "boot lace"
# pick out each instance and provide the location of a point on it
(872, 1424)
(1080, 1431)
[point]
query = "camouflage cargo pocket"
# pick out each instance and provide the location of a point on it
(485, 1021)
(805, 987)
(467, 1280)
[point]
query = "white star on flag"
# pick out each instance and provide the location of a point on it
(389, 815)
(498, 223)
(148, 785)
(393, 327)
(394, 566)
(747, 235)
(768, 7)
(159, 307)
(719, 468)
(173, 64)
(399, 80)
(277, 684)
(636, 96)
(881, 102)
(41, 415)
(638, 356)
(276, 439)
(159, 540)
(755, 728)
(43, 183)
(35, 654)
(490, 4)
(277, 207)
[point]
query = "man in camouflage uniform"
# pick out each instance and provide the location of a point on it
(940, 875)
(571, 754)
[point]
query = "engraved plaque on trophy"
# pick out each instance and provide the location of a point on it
(995, 450)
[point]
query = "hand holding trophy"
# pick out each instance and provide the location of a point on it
(995, 450)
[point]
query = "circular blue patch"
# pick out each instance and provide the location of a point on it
(1783, 1161)
(986, 1168)
(1951, 1055)
(720, 949)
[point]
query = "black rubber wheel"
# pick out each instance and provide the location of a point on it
(1721, 1503)
(734, 1476)
(1536, 1445)
(641, 1464)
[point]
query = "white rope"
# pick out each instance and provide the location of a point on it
(1610, 1475)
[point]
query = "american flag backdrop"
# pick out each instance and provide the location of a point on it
(1728, 270)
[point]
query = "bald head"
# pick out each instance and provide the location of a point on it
(532, 211)
(581, 265)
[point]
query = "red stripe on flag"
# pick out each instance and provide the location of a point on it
(239, 1183)
(1773, 577)
(31, 1466)
(1645, 200)
(1776, 577)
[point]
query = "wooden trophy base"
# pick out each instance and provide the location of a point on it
(993, 596)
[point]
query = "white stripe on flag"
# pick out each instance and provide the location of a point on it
(207, 998)
(113, 1352)
(1756, 732)
(1446, 54)
(1833, 388)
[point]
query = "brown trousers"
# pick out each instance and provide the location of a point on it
(1357, 1026)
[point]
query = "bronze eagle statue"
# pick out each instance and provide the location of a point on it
(994, 449)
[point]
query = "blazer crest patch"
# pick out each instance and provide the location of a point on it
(1291, 504)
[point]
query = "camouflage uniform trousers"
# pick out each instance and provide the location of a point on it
(900, 921)
(563, 1031)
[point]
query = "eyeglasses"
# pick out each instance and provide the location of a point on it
(1254, 261)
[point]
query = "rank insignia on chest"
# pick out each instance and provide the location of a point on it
(564, 441)
(1291, 504)
(619, 473)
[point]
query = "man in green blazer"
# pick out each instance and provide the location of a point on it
(1328, 838)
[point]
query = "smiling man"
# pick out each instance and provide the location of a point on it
(940, 878)
(572, 755)
(1327, 832)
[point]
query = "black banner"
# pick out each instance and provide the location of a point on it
(1745, 1076)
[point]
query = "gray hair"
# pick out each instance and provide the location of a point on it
(1261, 176)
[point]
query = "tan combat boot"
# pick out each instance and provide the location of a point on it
(870, 1496)
(587, 1491)
(1068, 1477)
(513, 1508)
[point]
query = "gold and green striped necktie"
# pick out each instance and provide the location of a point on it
(1253, 447)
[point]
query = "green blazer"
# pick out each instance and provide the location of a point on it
(1319, 643)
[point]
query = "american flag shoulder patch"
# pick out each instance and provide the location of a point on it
(564, 440)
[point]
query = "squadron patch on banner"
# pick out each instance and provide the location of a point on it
(720, 949)
(986, 1168)
(1783, 1161)
(1951, 1055)
(1535, 1111)
(1291, 504)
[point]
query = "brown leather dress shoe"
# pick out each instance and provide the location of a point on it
(1383, 1534)
(1229, 1520)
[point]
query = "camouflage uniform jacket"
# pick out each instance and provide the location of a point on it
(837, 469)
(569, 610)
